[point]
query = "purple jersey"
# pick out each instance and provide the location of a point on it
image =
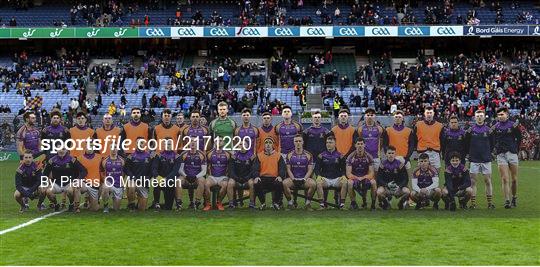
(359, 163)
(286, 133)
(195, 132)
(372, 137)
(218, 161)
(55, 132)
(30, 138)
(193, 162)
(391, 166)
(299, 163)
(425, 177)
(251, 132)
(113, 171)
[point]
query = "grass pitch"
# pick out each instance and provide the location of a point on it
(242, 237)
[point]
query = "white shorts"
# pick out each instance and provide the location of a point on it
(402, 159)
(376, 163)
(507, 158)
(480, 168)
(92, 192)
(334, 183)
(218, 179)
(59, 189)
(434, 158)
(142, 192)
(117, 192)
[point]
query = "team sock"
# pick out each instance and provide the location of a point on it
(489, 199)
(473, 200)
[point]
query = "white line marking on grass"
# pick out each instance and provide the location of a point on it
(528, 167)
(30, 222)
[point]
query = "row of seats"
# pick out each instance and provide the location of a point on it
(45, 15)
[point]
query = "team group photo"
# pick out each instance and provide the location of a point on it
(269, 132)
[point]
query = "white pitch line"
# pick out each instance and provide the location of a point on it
(30, 222)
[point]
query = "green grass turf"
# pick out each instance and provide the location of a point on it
(242, 237)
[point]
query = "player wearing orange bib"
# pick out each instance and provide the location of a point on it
(400, 137)
(344, 133)
(106, 134)
(135, 129)
(92, 181)
(80, 132)
(166, 131)
(428, 134)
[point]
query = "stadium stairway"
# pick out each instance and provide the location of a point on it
(91, 87)
(313, 98)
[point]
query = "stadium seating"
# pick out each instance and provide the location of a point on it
(45, 15)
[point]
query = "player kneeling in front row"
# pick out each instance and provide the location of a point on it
(218, 159)
(112, 168)
(60, 166)
(268, 169)
(457, 183)
(27, 183)
(329, 169)
(240, 177)
(425, 184)
(392, 180)
(360, 173)
(299, 169)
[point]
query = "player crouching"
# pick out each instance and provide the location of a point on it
(299, 169)
(268, 170)
(329, 170)
(425, 184)
(360, 172)
(27, 183)
(218, 160)
(457, 183)
(392, 180)
(240, 177)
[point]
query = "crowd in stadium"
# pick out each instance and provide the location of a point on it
(280, 13)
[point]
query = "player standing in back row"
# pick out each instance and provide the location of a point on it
(223, 126)
(287, 130)
(428, 137)
(479, 142)
(507, 138)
